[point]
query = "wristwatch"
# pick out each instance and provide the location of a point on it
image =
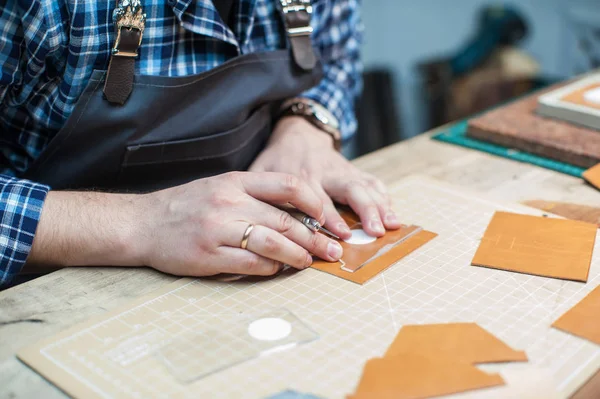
(316, 114)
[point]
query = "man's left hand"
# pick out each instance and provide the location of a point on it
(297, 147)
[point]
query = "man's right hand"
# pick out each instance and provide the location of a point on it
(193, 230)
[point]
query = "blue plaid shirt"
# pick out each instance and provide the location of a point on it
(48, 50)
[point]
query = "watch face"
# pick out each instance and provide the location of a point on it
(324, 116)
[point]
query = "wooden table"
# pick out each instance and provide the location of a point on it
(52, 303)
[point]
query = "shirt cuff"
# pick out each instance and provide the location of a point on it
(21, 203)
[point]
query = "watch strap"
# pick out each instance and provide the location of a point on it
(305, 108)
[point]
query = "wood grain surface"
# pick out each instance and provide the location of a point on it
(50, 304)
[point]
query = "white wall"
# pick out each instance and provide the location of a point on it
(401, 33)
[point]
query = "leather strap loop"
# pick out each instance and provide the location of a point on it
(119, 79)
(296, 17)
(130, 22)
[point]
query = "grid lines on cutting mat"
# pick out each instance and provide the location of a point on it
(432, 285)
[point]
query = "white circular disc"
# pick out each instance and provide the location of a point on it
(359, 237)
(593, 95)
(269, 329)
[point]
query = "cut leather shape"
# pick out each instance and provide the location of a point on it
(377, 265)
(362, 258)
(583, 319)
(557, 248)
(464, 342)
(412, 376)
(352, 262)
(592, 176)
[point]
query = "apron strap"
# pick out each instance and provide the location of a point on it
(130, 22)
(296, 18)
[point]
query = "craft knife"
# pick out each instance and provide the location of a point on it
(312, 223)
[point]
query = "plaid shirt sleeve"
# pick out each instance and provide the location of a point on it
(21, 204)
(337, 34)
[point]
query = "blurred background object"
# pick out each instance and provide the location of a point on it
(429, 62)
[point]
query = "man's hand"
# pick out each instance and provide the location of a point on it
(299, 148)
(194, 230)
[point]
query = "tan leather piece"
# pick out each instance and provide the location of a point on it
(377, 265)
(356, 255)
(464, 342)
(583, 319)
(557, 248)
(431, 360)
(577, 96)
(592, 176)
(412, 376)
(353, 264)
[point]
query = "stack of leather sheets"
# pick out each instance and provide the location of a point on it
(555, 123)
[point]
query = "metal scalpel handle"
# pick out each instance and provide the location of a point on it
(312, 224)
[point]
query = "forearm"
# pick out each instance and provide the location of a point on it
(88, 229)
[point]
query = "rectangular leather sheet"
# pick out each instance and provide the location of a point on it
(557, 248)
(360, 254)
(592, 176)
(583, 319)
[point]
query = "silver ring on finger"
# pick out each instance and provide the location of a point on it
(246, 236)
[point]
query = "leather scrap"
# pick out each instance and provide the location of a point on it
(592, 176)
(583, 320)
(413, 376)
(356, 255)
(464, 342)
(556, 248)
(431, 360)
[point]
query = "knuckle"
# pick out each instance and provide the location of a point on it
(291, 184)
(224, 199)
(305, 173)
(372, 210)
(300, 259)
(316, 243)
(233, 177)
(286, 223)
(252, 264)
(273, 269)
(271, 245)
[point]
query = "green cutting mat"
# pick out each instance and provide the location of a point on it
(457, 134)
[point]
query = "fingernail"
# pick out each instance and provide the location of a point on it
(377, 227)
(334, 250)
(309, 260)
(391, 218)
(343, 228)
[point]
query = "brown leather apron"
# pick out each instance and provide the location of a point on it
(172, 130)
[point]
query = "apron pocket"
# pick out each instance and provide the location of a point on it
(181, 161)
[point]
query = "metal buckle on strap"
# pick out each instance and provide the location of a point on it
(289, 6)
(128, 15)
